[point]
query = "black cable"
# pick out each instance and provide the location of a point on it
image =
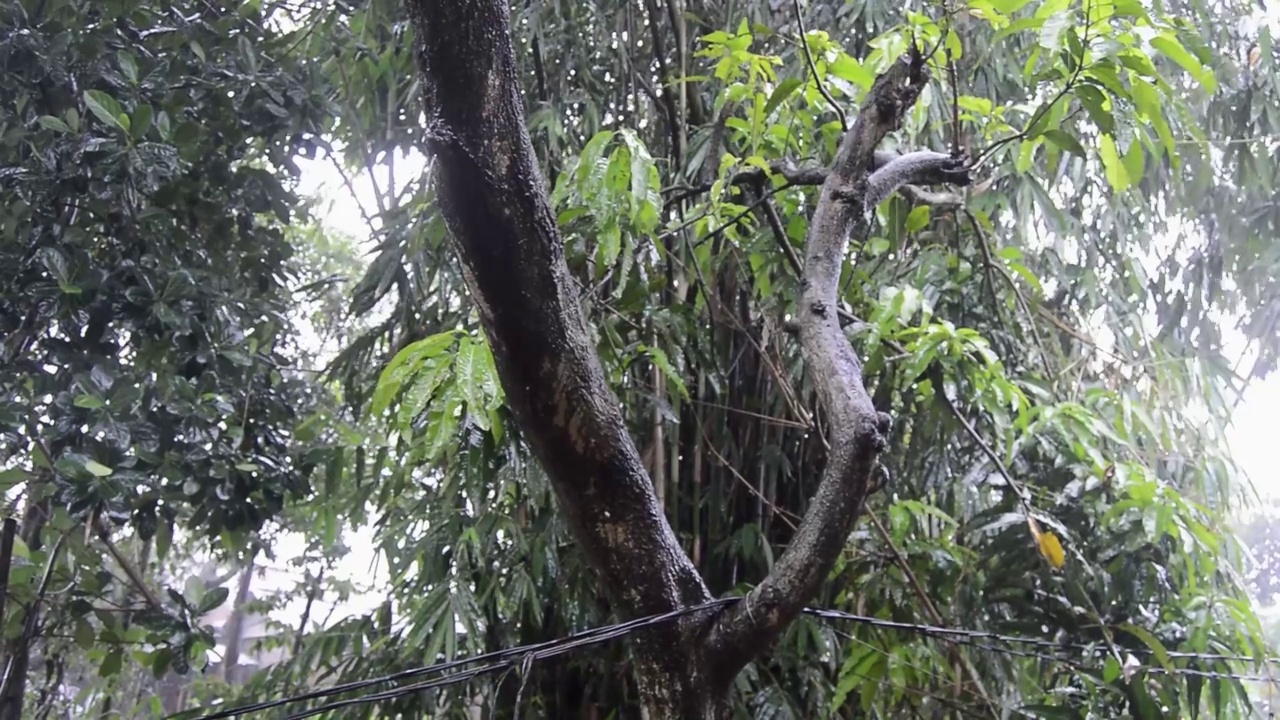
(1016, 639)
(502, 659)
(497, 659)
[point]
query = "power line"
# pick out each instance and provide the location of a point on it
(968, 638)
(1017, 639)
(496, 660)
(523, 655)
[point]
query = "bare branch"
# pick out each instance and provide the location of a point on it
(952, 172)
(857, 429)
(922, 167)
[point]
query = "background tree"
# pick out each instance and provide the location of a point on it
(146, 368)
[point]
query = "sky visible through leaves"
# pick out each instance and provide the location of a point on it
(1252, 433)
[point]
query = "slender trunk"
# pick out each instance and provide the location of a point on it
(234, 630)
(18, 657)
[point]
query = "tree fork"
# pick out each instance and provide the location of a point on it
(494, 202)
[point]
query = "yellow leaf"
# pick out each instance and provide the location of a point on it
(1051, 549)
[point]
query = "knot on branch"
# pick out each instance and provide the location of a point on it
(957, 170)
(880, 478)
(884, 424)
(894, 92)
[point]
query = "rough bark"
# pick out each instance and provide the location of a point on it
(857, 429)
(495, 204)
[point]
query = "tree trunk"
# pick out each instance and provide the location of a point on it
(494, 202)
(18, 657)
(675, 690)
(233, 631)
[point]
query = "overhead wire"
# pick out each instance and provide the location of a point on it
(496, 660)
(1018, 639)
(524, 655)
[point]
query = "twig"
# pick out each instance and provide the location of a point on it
(785, 515)
(29, 622)
(135, 578)
(931, 609)
(813, 68)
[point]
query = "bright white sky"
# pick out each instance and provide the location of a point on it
(1252, 435)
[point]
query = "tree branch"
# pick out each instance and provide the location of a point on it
(931, 172)
(922, 167)
(494, 202)
(501, 226)
(856, 429)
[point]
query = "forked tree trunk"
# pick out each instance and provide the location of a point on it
(494, 202)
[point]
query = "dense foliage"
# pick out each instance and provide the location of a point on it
(145, 369)
(1051, 342)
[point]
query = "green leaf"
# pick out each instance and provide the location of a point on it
(105, 108)
(50, 122)
(784, 90)
(1026, 155)
(1134, 160)
(141, 122)
(848, 68)
(443, 424)
(212, 599)
(161, 659)
(403, 366)
(112, 663)
(419, 394)
(1065, 141)
(645, 201)
(609, 248)
(1157, 648)
(97, 468)
(84, 633)
(1114, 168)
(1110, 670)
(1168, 45)
(1145, 706)
(128, 66)
(470, 378)
(11, 477)
(1139, 62)
(589, 158)
(1095, 104)
(660, 359)
(918, 218)
(163, 539)
(88, 402)
(1146, 98)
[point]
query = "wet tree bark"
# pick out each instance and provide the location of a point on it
(494, 201)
